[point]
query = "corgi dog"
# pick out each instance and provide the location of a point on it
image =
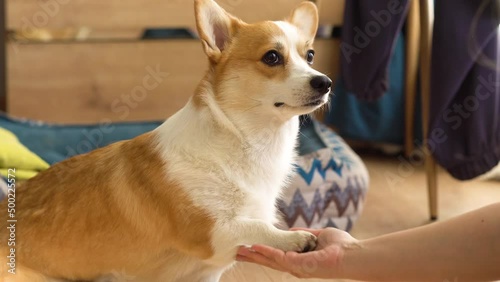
(174, 204)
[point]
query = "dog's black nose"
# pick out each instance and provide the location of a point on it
(321, 83)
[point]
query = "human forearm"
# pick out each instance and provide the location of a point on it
(466, 248)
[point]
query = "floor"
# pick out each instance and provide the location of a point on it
(401, 205)
(397, 200)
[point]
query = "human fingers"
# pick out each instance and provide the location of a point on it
(268, 258)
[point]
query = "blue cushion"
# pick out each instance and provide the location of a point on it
(54, 143)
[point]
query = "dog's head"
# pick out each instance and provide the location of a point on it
(264, 67)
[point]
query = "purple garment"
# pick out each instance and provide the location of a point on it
(368, 38)
(464, 129)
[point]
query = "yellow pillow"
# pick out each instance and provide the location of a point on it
(13, 154)
(20, 174)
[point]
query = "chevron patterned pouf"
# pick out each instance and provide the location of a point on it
(329, 187)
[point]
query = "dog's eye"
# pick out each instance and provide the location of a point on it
(310, 56)
(272, 58)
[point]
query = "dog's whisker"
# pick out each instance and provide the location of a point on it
(305, 136)
(231, 78)
(254, 99)
(251, 108)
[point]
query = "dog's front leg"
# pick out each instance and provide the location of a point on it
(247, 231)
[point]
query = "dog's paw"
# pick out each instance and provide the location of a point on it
(300, 241)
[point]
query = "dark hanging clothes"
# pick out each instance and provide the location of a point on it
(464, 129)
(369, 34)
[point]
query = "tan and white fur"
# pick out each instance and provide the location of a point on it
(174, 204)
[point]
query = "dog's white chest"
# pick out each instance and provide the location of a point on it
(227, 177)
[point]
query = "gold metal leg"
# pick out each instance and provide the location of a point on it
(431, 171)
(411, 73)
(426, 25)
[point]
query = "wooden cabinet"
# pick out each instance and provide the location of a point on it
(119, 77)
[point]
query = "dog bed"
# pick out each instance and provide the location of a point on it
(328, 190)
(54, 143)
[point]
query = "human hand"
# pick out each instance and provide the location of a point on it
(324, 262)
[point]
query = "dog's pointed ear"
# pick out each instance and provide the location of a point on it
(215, 27)
(305, 18)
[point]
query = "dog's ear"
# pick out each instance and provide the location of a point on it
(215, 27)
(305, 18)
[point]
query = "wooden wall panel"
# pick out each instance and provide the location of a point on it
(82, 83)
(327, 58)
(331, 12)
(130, 14)
(90, 82)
